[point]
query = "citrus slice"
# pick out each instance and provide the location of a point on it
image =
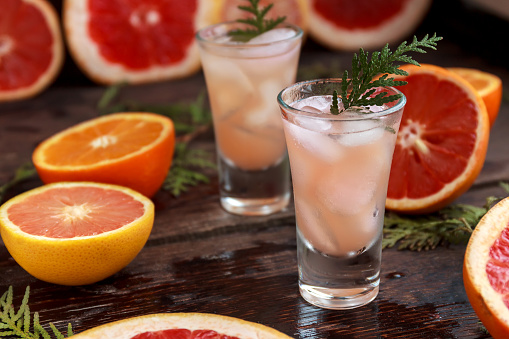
(349, 25)
(31, 48)
(181, 325)
(135, 41)
(486, 270)
(442, 140)
(296, 11)
(488, 85)
(128, 149)
(76, 233)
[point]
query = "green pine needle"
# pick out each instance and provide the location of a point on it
(258, 22)
(18, 324)
(356, 90)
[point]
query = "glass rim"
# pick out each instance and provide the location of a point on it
(400, 104)
(298, 35)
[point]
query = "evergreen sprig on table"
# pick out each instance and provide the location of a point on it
(356, 90)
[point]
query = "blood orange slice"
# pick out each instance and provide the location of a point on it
(182, 325)
(76, 233)
(486, 270)
(488, 85)
(135, 41)
(31, 48)
(128, 149)
(442, 141)
(296, 11)
(348, 25)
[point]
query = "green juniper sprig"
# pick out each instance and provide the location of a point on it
(258, 22)
(19, 324)
(356, 91)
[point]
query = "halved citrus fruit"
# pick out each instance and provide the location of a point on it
(488, 85)
(31, 48)
(296, 11)
(486, 270)
(135, 41)
(181, 325)
(349, 25)
(128, 149)
(442, 140)
(76, 233)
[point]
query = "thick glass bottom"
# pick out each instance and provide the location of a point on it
(253, 206)
(338, 298)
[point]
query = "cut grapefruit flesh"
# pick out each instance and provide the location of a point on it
(181, 325)
(350, 25)
(295, 11)
(486, 270)
(135, 41)
(31, 48)
(442, 140)
(76, 233)
(128, 149)
(488, 85)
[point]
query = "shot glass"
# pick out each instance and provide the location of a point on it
(340, 167)
(242, 81)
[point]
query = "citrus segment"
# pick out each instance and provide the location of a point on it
(76, 233)
(486, 270)
(295, 11)
(171, 325)
(128, 149)
(135, 41)
(31, 48)
(349, 25)
(488, 85)
(442, 140)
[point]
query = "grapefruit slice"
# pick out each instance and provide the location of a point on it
(486, 270)
(181, 326)
(31, 48)
(128, 149)
(349, 25)
(488, 85)
(76, 233)
(296, 11)
(135, 41)
(442, 140)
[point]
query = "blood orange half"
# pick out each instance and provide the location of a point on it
(76, 233)
(348, 25)
(442, 140)
(486, 270)
(31, 48)
(182, 326)
(135, 41)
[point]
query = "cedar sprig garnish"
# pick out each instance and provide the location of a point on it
(18, 324)
(356, 91)
(258, 22)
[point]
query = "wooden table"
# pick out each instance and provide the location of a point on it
(201, 259)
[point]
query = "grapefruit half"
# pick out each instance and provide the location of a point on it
(135, 41)
(349, 25)
(76, 233)
(486, 270)
(442, 140)
(181, 325)
(31, 48)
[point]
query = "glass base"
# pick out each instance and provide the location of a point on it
(263, 206)
(338, 298)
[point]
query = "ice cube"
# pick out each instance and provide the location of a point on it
(273, 35)
(360, 132)
(266, 111)
(317, 104)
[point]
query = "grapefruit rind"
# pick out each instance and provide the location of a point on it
(392, 30)
(486, 302)
(80, 260)
(148, 166)
(127, 328)
(88, 58)
(45, 80)
(452, 190)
